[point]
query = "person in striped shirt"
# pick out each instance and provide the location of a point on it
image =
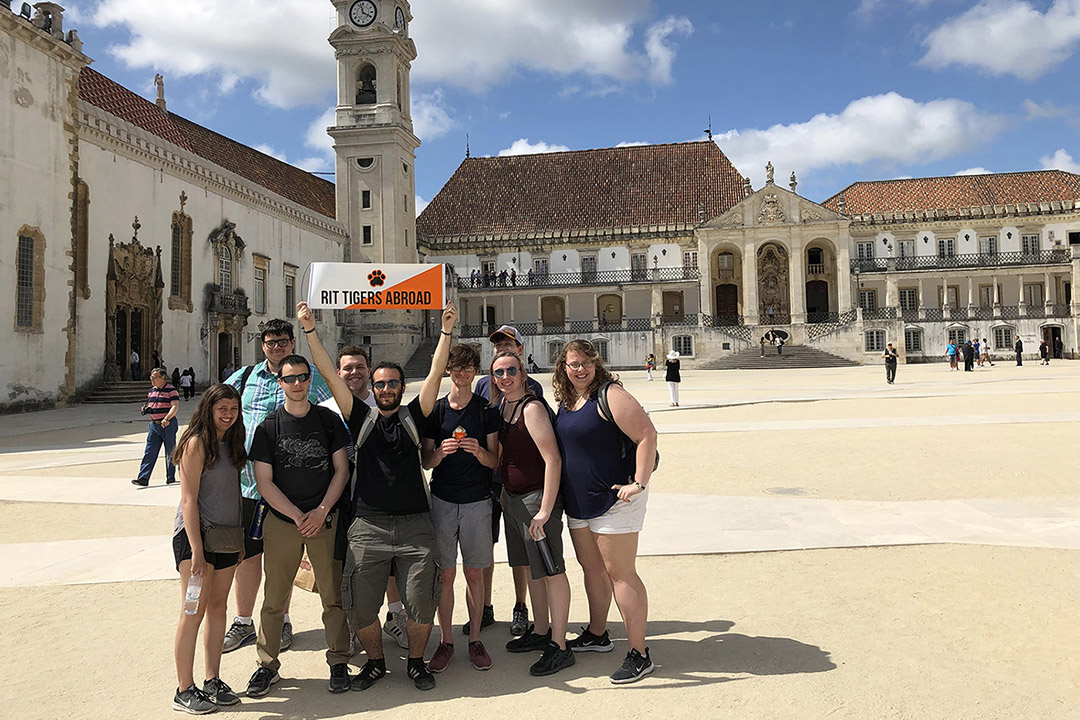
(163, 401)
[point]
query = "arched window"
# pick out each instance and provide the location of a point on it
(366, 93)
(180, 262)
(725, 265)
(176, 287)
(225, 269)
(30, 280)
(602, 348)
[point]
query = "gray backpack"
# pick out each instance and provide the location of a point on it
(368, 424)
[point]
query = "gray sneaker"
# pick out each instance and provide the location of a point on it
(520, 623)
(286, 635)
(193, 701)
(220, 693)
(239, 635)
(395, 627)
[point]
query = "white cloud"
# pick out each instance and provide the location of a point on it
(632, 143)
(973, 171)
(522, 146)
(421, 203)
(281, 45)
(315, 163)
(316, 136)
(886, 128)
(1007, 37)
(1036, 111)
(1060, 160)
(430, 116)
(478, 44)
(267, 150)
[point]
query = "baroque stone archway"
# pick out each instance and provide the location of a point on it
(773, 285)
(133, 299)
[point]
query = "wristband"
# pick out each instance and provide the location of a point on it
(448, 334)
(308, 332)
(639, 485)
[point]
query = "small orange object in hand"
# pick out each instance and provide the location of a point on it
(459, 433)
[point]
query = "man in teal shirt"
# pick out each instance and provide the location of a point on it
(261, 395)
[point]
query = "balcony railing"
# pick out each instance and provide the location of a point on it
(228, 302)
(815, 269)
(973, 260)
(598, 277)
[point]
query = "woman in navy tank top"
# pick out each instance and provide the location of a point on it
(606, 470)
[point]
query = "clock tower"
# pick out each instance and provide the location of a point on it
(375, 151)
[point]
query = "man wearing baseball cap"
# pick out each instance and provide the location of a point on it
(505, 339)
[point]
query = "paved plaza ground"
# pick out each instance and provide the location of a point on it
(819, 545)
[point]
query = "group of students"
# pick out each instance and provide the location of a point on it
(345, 484)
(972, 352)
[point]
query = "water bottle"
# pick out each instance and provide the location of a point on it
(545, 554)
(256, 531)
(191, 597)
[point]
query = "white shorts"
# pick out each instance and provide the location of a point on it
(622, 518)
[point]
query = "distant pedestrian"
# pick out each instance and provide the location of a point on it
(1044, 353)
(986, 353)
(133, 361)
(533, 367)
(1019, 348)
(156, 359)
(187, 385)
(951, 351)
(762, 343)
(513, 277)
(175, 378)
(650, 365)
(194, 383)
(162, 404)
(227, 371)
(1059, 346)
(779, 345)
(975, 345)
(891, 357)
(969, 356)
(673, 377)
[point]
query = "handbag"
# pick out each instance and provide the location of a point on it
(222, 539)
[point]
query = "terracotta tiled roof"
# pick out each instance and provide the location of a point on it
(288, 181)
(583, 190)
(934, 193)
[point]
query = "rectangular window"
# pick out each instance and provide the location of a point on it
(1033, 294)
(958, 336)
(588, 268)
(868, 299)
(1029, 244)
(260, 290)
(290, 289)
(683, 344)
(909, 298)
(953, 295)
(177, 258)
(367, 235)
(946, 247)
(913, 340)
(1003, 338)
(488, 267)
(639, 266)
(988, 245)
(689, 259)
(907, 248)
(365, 199)
(986, 296)
(875, 340)
(540, 267)
(24, 283)
(864, 250)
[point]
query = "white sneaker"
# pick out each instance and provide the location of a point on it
(395, 628)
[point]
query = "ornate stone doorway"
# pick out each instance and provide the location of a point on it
(133, 297)
(774, 296)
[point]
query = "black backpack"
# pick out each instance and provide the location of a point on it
(605, 412)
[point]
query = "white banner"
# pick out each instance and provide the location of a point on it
(375, 286)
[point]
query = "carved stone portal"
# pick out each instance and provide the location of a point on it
(133, 298)
(773, 292)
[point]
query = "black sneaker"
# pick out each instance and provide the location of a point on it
(339, 678)
(260, 682)
(552, 661)
(142, 482)
(487, 618)
(220, 693)
(371, 673)
(421, 675)
(193, 701)
(587, 642)
(634, 667)
(520, 623)
(529, 642)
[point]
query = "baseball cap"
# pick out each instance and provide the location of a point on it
(507, 331)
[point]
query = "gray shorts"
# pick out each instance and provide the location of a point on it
(405, 543)
(468, 525)
(518, 512)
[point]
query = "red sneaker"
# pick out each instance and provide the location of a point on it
(478, 656)
(441, 658)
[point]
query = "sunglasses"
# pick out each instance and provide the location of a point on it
(284, 343)
(383, 384)
(510, 371)
(299, 378)
(580, 365)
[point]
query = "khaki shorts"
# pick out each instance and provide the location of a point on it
(377, 544)
(518, 512)
(621, 519)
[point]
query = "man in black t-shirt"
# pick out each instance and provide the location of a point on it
(301, 468)
(392, 519)
(461, 447)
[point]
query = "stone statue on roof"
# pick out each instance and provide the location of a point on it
(769, 173)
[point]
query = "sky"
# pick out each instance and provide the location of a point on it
(836, 90)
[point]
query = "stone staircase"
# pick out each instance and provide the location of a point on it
(795, 356)
(416, 369)
(123, 391)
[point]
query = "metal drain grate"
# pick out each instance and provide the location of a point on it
(793, 491)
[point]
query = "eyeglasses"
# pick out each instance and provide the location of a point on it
(283, 343)
(383, 384)
(466, 369)
(587, 365)
(299, 378)
(510, 371)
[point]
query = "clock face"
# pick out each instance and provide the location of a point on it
(363, 12)
(399, 19)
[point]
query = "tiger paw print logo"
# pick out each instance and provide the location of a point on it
(377, 278)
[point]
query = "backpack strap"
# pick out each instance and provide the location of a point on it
(368, 424)
(244, 378)
(605, 412)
